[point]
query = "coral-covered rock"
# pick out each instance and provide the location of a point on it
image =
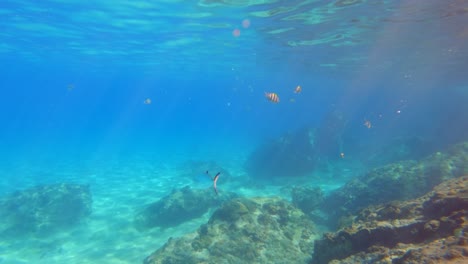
(44, 209)
(430, 228)
(307, 198)
(397, 181)
(178, 207)
(260, 230)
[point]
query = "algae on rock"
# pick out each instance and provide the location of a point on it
(257, 230)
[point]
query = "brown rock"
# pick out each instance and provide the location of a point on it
(430, 229)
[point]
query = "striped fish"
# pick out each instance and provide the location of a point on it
(273, 97)
(298, 89)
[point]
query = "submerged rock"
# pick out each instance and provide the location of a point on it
(397, 181)
(292, 154)
(178, 207)
(307, 198)
(260, 230)
(430, 229)
(397, 149)
(299, 152)
(44, 209)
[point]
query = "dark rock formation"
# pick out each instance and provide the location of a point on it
(430, 229)
(299, 152)
(44, 209)
(328, 137)
(293, 154)
(179, 206)
(397, 181)
(395, 149)
(260, 230)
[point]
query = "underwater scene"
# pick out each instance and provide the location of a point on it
(233, 131)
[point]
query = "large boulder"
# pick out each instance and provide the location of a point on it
(179, 206)
(430, 229)
(259, 230)
(44, 209)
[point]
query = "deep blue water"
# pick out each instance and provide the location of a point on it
(74, 76)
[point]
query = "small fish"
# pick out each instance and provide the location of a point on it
(147, 101)
(215, 180)
(298, 89)
(273, 97)
(367, 124)
(342, 155)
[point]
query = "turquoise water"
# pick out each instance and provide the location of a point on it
(76, 76)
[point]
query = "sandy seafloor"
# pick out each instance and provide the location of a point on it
(121, 187)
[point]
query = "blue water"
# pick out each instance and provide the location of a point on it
(74, 77)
